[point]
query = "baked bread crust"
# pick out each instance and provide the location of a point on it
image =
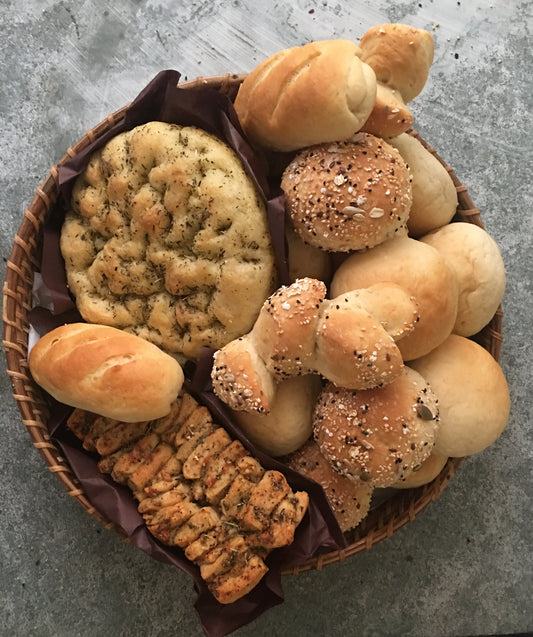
(306, 95)
(107, 371)
(167, 238)
(349, 499)
(377, 435)
(348, 195)
(422, 272)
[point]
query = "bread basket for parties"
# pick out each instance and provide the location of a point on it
(382, 522)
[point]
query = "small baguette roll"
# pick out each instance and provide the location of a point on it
(106, 371)
(320, 92)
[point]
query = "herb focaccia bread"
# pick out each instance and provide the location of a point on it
(167, 238)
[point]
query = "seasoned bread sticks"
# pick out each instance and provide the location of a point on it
(199, 489)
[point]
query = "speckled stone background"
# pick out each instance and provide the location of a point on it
(464, 566)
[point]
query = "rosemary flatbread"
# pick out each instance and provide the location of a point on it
(167, 238)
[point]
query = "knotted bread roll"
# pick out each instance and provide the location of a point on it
(350, 340)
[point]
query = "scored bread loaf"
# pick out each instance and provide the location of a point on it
(319, 92)
(106, 371)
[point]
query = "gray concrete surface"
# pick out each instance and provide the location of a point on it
(464, 566)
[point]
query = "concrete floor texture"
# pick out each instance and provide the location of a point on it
(463, 567)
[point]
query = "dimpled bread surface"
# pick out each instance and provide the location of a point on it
(167, 238)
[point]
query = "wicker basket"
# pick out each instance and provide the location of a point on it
(381, 523)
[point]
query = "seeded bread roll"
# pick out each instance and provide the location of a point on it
(377, 435)
(349, 499)
(348, 195)
(350, 340)
(106, 371)
(419, 269)
(423, 473)
(477, 263)
(474, 400)
(306, 95)
(434, 193)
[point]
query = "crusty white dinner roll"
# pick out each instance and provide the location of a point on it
(289, 422)
(306, 95)
(477, 262)
(349, 499)
(434, 193)
(377, 435)
(400, 55)
(422, 272)
(423, 473)
(106, 371)
(474, 401)
(347, 195)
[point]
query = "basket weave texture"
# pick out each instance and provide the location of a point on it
(382, 522)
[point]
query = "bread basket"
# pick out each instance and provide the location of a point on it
(382, 522)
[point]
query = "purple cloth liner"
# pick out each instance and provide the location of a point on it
(163, 100)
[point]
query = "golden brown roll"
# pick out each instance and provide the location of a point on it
(319, 92)
(390, 116)
(434, 193)
(349, 499)
(377, 435)
(288, 424)
(477, 263)
(106, 371)
(350, 340)
(474, 401)
(423, 473)
(400, 55)
(420, 270)
(348, 195)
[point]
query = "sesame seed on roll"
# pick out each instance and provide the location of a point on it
(348, 195)
(349, 499)
(377, 435)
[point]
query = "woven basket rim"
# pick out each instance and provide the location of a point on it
(22, 264)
